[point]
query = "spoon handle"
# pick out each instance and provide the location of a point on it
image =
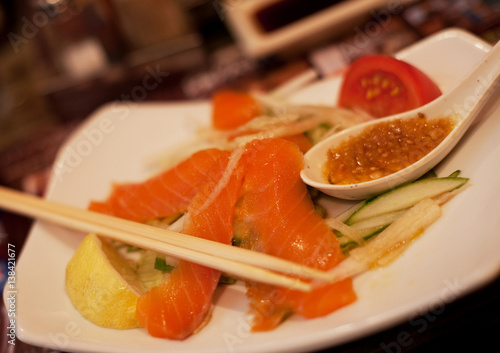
(471, 93)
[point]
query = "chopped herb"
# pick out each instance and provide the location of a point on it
(236, 241)
(315, 135)
(131, 248)
(161, 265)
(226, 279)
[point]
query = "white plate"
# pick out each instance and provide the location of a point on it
(456, 255)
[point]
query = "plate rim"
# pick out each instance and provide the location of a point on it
(24, 336)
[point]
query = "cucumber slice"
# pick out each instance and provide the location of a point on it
(161, 265)
(405, 196)
(371, 225)
(344, 216)
(368, 228)
(346, 244)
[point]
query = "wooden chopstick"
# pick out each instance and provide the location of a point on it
(237, 261)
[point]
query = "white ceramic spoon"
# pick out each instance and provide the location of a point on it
(463, 103)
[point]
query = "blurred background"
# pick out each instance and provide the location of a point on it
(62, 59)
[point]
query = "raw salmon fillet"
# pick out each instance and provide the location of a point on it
(165, 194)
(232, 109)
(275, 215)
(257, 196)
(181, 304)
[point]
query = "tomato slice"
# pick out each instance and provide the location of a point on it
(382, 85)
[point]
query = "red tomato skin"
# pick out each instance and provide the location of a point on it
(415, 87)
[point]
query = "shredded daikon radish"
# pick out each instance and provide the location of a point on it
(344, 216)
(401, 231)
(345, 230)
(177, 225)
(281, 131)
(445, 197)
(334, 115)
(266, 122)
(284, 119)
(331, 114)
(221, 184)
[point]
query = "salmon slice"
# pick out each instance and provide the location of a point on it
(163, 195)
(275, 215)
(300, 140)
(181, 303)
(232, 109)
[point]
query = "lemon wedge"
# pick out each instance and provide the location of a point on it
(102, 285)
